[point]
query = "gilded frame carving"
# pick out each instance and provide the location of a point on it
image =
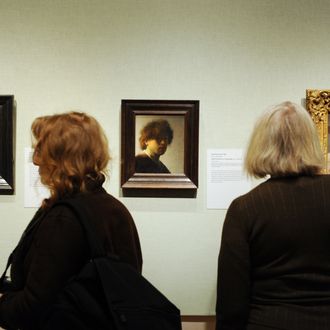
(318, 105)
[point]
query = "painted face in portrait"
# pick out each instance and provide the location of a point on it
(157, 147)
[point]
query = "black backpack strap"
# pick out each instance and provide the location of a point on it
(29, 229)
(3, 276)
(83, 215)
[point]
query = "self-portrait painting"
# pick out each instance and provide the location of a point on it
(159, 144)
(159, 148)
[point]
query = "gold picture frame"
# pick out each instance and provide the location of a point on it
(318, 105)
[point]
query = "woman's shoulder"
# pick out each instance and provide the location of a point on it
(322, 177)
(252, 197)
(253, 191)
(97, 204)
(272, 186)
(102, 203)
(59, 216)
(57, 224)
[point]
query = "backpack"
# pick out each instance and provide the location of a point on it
(108, 294)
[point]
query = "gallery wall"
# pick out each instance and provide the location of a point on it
(235, 56)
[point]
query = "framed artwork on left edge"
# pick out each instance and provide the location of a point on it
(7, 126)
(159, 148)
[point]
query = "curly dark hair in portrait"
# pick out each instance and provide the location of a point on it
(156, 130)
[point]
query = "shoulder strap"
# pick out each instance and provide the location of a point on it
(33, 223)
(3, 276)
(83, 215)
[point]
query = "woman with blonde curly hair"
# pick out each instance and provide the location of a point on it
(274, 261)
(71, 151)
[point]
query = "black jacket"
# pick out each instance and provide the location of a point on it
(274, 262)
(54, 248)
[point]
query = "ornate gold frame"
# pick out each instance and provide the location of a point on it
(318, 105)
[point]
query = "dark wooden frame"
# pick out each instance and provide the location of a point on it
(159, 185)
(7, 144)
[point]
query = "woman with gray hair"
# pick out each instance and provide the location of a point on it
(274, 261)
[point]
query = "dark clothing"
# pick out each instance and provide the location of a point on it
(54, 248)
(274, 262)
(144, 164)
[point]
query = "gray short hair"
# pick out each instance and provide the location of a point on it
(284, 142)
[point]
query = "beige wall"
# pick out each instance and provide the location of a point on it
(236, 57)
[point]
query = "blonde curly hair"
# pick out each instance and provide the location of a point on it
(69, 148)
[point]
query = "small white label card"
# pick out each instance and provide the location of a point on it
(34, 190)
(225, 177)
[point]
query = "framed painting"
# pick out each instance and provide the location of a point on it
(6, 145)
(318, 105)
(159, 148)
